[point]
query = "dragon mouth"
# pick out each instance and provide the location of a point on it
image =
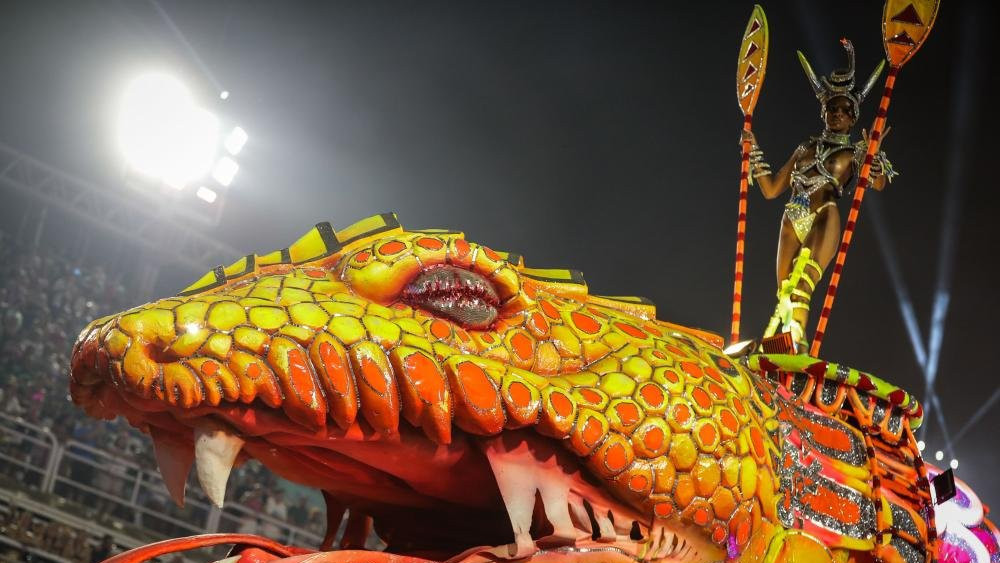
(517, 496)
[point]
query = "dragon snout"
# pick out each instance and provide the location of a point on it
(122, 350)
(83, 362)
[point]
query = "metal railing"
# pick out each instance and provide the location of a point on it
(27, 452)
(109, 486)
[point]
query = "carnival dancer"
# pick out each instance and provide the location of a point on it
(817, 173)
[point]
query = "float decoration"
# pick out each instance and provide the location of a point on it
(332, 362)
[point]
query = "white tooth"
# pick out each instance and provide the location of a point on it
(604, 525)
(666, 540)
(215, 451)
(670, 544)
(649, 551)
(175, 463)
(579, 514)
(514, 472)
(685, 550)
(663, 547)
(555, 501)
(622, 524)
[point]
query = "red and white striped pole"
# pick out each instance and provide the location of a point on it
(741, 231)
(852, 217)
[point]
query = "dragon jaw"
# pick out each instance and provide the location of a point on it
(318, 369)
(423, 495)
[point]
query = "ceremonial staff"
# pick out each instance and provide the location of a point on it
(750, 67)
(905, 26)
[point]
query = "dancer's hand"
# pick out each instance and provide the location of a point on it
(864, 134)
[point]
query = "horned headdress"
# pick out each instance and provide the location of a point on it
(840, 82)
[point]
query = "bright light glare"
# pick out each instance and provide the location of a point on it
(207, 194)
(921, 445)
(225, 170)
(163, 133)
(954, 464)
(192, 328)
(224, 94)
(939, 455)
(235, 140)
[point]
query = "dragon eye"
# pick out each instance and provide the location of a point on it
(455, 293)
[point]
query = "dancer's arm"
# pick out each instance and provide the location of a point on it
(772, 185)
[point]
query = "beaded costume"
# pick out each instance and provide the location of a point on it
(808, 177)
(803, 186)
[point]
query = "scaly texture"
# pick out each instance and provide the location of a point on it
(711, 460)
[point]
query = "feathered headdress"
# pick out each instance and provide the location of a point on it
(840, 82)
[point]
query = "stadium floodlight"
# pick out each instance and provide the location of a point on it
(939, 455)
(235, 140)
(921, 445)
(163, 133)
(225, 170)
(207, 194)
(954, 464)
(224, 94)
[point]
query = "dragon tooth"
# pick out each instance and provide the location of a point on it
(175, 462)
(677, 545)
(215, 451)
(514, 471)
(604, 525)
(623, 526)
(683, 549)
(357, 530)
(581, 518)
(648, 547)
(667, 545)
(656, 542)
(555, 501)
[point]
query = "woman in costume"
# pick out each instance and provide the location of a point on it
(817, 173)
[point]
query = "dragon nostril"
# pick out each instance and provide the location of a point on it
(161, 355)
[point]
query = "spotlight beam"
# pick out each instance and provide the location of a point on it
(939, 415)
(960, 117)
(889, 258)
(980, 413)
(906, 308)
(186, 44)
(941, 300)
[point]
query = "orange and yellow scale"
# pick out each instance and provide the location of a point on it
(319, 332)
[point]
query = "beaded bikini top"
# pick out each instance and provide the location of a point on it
(804, 186)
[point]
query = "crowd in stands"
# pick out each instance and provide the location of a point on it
(28, 530)
(46, 299)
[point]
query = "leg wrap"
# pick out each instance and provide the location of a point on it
(794, 294)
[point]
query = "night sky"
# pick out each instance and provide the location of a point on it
(600, 137)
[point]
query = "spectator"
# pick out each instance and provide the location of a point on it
(298, 514)
(249, 526)
(104, 550)
(275, 508)
(46, 299)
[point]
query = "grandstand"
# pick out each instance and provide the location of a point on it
(74, 489)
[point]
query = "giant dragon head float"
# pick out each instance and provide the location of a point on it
(476, 409)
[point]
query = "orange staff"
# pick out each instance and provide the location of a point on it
(749, 79)
(905, 26)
